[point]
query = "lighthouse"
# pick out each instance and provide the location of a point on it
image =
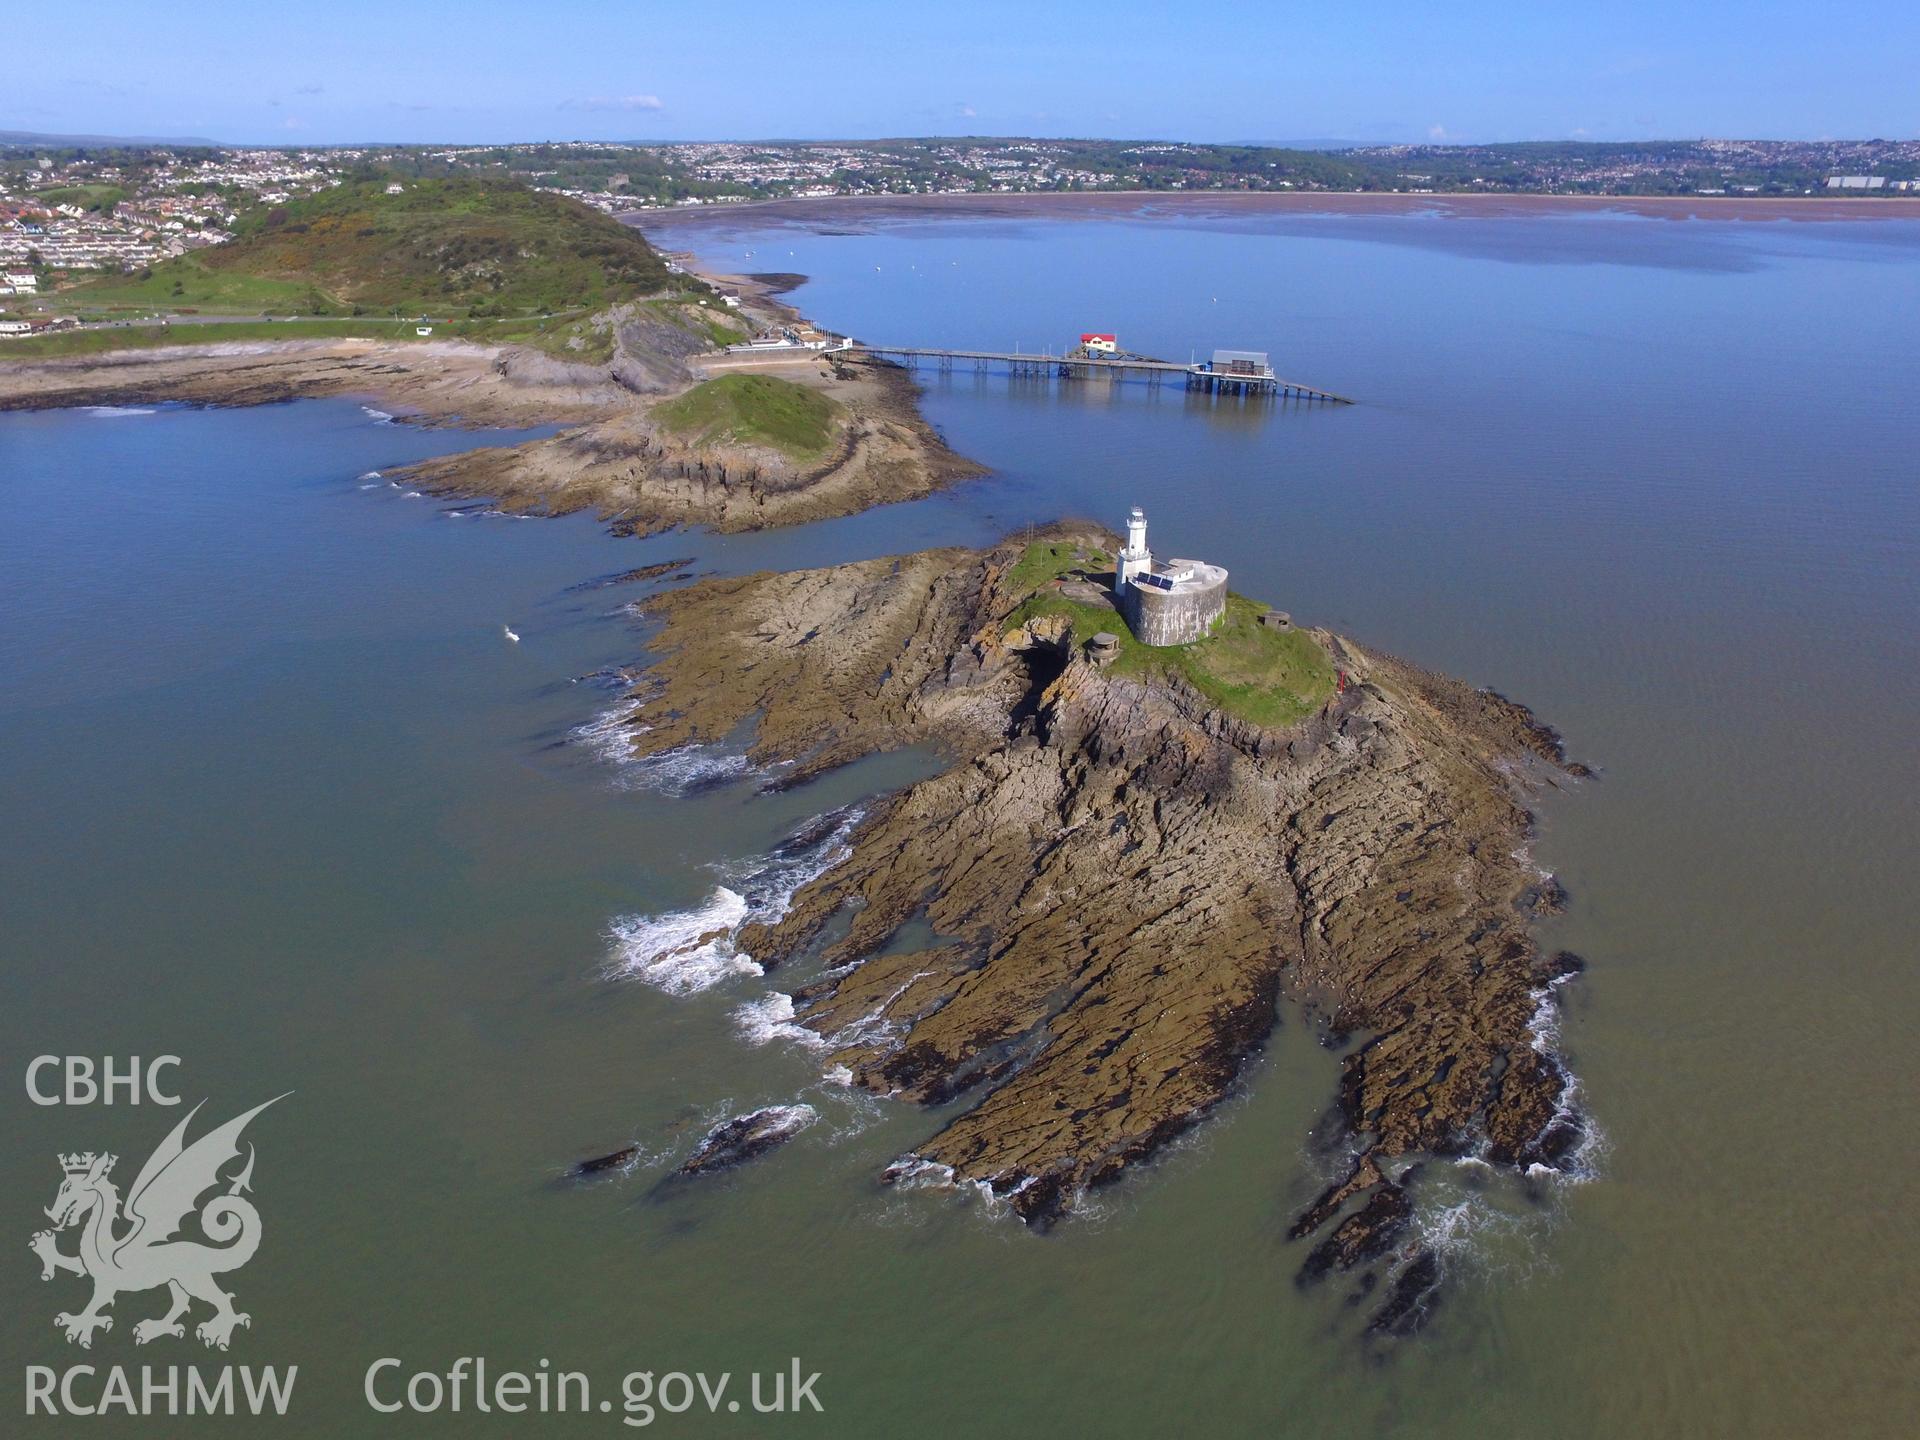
(1174, 603)
(1136, 559)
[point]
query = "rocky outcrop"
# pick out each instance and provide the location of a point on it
(746, 1137)
(611, 459)
(1122, 882)
(641, 479)
(444, 381)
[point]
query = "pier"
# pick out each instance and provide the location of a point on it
(1230, 372)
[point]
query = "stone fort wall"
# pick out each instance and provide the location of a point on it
(1161, 617)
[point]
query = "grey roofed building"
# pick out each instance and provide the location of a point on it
(1244, 362)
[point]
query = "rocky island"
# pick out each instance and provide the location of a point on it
(1135, 853)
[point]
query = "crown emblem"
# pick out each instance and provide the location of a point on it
(82, 1162)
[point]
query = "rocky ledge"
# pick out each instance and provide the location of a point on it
(1123, 881)
(610, 457)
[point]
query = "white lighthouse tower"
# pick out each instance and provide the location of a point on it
(1136, 558)
(1174, 604)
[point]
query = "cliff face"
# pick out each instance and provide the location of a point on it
(1123, 882)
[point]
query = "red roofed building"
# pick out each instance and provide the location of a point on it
(1099, 344)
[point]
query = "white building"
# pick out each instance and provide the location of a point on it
(1174, 603)
(1136, 558)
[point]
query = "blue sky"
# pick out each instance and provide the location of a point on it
(1271, 70)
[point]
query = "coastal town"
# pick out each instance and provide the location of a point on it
(69, 207)
(71, 212)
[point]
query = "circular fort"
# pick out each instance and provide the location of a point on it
(1172, 603)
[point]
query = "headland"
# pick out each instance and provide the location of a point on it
(660, 426)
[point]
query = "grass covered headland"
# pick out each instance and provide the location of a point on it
(754, 410)
(1257, 674)
(479, 247)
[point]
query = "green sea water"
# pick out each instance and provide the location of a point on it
(282, 797)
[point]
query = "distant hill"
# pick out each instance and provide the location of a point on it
(442, 247)
(102, 142)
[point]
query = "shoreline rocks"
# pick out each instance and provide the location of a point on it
(609, 458)
(746, 1137)
(1125, 884)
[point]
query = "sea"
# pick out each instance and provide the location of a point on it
(313, 783)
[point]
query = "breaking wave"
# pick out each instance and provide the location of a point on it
(686, 951)
(770, 1018)
(114, 412)
(681, 771)
(1581, 1161)
(379, 417)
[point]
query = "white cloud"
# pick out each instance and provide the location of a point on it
(967, 112)
(615, 102)
(1437, 134)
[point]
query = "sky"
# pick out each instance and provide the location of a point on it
(294, 72)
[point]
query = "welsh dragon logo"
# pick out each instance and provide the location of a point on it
(139, 1250)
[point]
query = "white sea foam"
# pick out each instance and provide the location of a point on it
(684, 951)
(379, 417)
(608, 734)
(413, 495)
(1543, 1030)
(680, 771)
(683, 769)
(1451, 1229)
(687, 951)
(477, 512)
(770, 1018)
(114, 412)
(912, 1172)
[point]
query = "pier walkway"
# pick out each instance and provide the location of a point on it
(1202, 375)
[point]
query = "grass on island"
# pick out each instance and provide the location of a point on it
(484, 248)
(797, 421)
(1267, 677)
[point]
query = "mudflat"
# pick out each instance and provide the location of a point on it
(1116, 204)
